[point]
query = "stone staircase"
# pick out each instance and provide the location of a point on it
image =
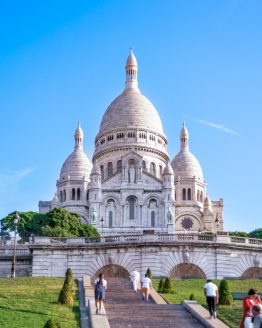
(126, 309)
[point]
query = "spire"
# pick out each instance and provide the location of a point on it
(79, 136)
(131, 71)
(184, 138)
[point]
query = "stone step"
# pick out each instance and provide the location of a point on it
(126, 309)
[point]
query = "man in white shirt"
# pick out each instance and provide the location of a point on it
(135, 278)
(146, 284)
(211, 293)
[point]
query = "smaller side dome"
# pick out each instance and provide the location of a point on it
(168, 169)
(96, 169)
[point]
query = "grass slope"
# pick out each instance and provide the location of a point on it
(231, 315)
(30, 302)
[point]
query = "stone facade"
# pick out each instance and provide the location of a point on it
(131, 185)
(174, 255)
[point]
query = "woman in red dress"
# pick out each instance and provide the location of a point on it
(251, 299)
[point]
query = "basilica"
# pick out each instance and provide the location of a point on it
(131, 185)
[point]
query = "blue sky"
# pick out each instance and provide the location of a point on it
(200, 61)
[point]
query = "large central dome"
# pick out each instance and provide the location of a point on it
(131, 109)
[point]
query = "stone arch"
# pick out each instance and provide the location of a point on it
(252, 273)
(113, 271)
(187, 270)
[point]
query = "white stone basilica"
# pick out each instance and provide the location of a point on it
(131, 186)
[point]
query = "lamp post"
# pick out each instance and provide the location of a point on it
(16, 219)
(102, 223)
(217, 222)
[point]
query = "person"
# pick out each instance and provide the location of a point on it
(251, 299)
(211, 293)
(146, 284)
(100, 292)
(256, 311)
(135, 278)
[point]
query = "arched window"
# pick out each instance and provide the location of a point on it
(184, 194)
(119, 166)
(198, 197)
(189, 194)
(160, 171)
(153, 168)
(102, 172)
(144, 165)
(64, 195)
(153, 219)
(201, 196)
(110, 219)
(73, 194)
(78, 194)
(131, 203)
(61, 196)
(109, 169)
(87, 195)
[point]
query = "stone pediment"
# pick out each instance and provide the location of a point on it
(114, 180)
(149, 179)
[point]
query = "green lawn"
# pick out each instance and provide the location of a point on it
(231, 315)
(30, 302)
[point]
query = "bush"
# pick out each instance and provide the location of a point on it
(225, 297)
(65, 296)
(149, 273)
(160, 285)
(167, 287)
(192, 297)
(51, 324)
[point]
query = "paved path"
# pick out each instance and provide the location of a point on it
(126, 309)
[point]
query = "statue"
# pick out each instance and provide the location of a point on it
(170, 214)
(186, 255)
(132, 174)
(94, 214)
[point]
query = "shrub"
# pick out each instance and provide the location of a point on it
(69, 279)
(225, 297)
(192, 297)
(167, 287)
(65, 296)
(50, 324)
(149, 273)
(160, 285)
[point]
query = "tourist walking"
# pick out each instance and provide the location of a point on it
(146, 284)
(100, 292)
(211, 293)
(135, 278)
(256, 311)
(251, 299)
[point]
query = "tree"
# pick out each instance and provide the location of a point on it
(256, 233)
(30, 223)
(239, 233)
(167, 285)
(57, 223)
(225, 297)
(160, 285)
(149, 273)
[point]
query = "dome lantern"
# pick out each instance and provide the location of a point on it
(184, 136)
(131, 71)
(79, 136)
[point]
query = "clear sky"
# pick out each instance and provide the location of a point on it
(200, 61)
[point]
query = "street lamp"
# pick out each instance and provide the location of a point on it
(217, 221)
(16, 219)
(102, 223)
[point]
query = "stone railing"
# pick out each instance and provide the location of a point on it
(8, 250)
(159, 237)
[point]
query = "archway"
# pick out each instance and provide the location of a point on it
(187, 271)
(113, 271)
(253, 273)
